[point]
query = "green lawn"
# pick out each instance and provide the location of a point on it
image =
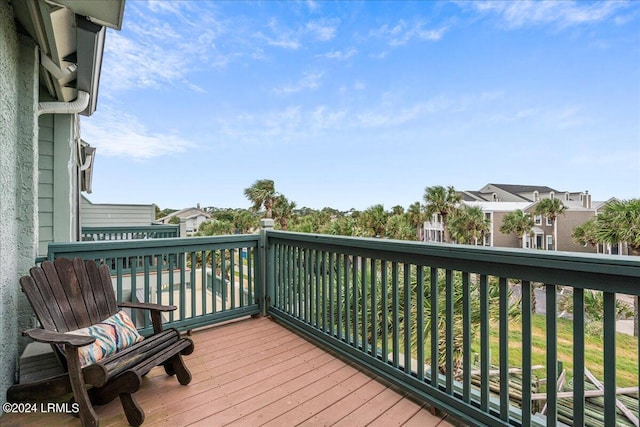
(626, 350)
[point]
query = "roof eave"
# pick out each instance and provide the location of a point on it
(71, 34)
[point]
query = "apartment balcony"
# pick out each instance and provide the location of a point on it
(362, 331)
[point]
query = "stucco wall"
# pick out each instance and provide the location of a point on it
(18, 180)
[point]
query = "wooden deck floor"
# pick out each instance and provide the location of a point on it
(255, 372)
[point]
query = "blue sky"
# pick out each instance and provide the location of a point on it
(350, 104)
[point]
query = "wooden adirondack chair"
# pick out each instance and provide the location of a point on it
(69, 295)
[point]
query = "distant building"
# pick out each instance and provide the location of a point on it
(497, 200)
(192, 216)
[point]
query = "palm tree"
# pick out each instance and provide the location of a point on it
(342, 226)
(551, 208)
(416, 217)
(518, 223)
(374, 220)
(620, 222)
(585, 233)
(397, 210)
(244, 220)
(468, 225)
(215, 228)
(283, 210)
(442, 201)
(261, 193)
(399, 228)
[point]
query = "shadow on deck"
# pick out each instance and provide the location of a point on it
(255, 372)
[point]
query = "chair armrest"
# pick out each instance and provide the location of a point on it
(155, 310)
(53, 337)
(147, 306)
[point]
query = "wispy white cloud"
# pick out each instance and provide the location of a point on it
(140, 64)
(289, 41)
(152, 51)
(403, 32)
(322, 30)
(560, 13)
(312, 5)
(340, 55)
(118, 134)
(391, 114)
(309, 81)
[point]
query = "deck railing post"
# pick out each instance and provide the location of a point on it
(265, 269)
(182, 232)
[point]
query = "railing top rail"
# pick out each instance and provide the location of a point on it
(128, 228)
(568, 268)
(167, 244)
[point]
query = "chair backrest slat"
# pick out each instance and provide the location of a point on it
(59, 296)
(87, 291)
(41, 299)
(68, 295)
(105, 297)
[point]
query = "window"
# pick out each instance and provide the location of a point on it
(566, 196)
(537, 220)
(536, 196)
(549, 243)
(549, 222)
(552, 195)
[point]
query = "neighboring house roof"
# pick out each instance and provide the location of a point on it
(517, 189)
(470, 196)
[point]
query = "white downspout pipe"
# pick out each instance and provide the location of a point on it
(72, 107)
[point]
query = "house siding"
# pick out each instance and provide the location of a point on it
(499, 238)
(566, 224)
(108, 215)
(18, 185)
(45, 183)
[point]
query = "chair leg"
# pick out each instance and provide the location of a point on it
(125, 383)
(181, 370)
(133, 411)
(168, 368)
(88, 416)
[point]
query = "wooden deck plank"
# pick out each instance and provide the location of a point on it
(256, 372)
(340, 409)
(399, 414)
(305, 410)
(424, 418)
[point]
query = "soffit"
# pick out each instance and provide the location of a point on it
(107, 13)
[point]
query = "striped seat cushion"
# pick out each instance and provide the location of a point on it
(112, 335)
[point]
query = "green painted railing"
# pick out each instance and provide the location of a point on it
(209, 279)
(395, 308)
(401, 308)
(130, 232)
